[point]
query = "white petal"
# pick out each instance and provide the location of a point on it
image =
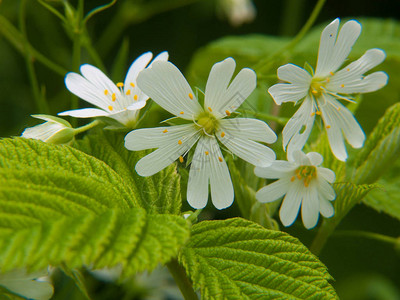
(250, 151)
(326, 208)
(149, 138)
(273, 191)
(220, 179)
(291, 203)
(277, 169)
(300, 158)
(298, 128)
(165, 155)
(333, 52)
(99, 80)
(163, 56)
(360, 84)
(325, 190)
(43, 131)
(294, 74)
(327, 174)
(310, 206)
(315, 158)
(84, 113)
(165, 84)
(137, 105)
(288, 92)
(86, 90)
(247, 128)
(138, 65)
(337, 119)
(199, 175)
(217, 83)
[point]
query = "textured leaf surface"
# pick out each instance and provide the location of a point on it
(136, 240)
(157, 193)
(238, 259)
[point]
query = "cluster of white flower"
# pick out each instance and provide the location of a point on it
(300, 179)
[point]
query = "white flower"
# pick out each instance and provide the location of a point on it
(54, 130)
(121, 102)
(304, 184)
(165, 84)
(238, 11)
(27, 285)
(321, 90)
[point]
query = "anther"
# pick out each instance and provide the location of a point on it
(165, 130)
(106, 92)
(312, 114)
(293, 178)
(331, 73)
(318, 113)
(113, 97)
(228, 113)
(206, 152)
(181, 113)
(128, 92)
(120, 84)
(132, 84)
(347, 69)
(314, 92)
(328, 126)
(180, 142)
(209, 108)
(135, 97)
(342, 85)
(181, 159)
(222, 134)
(220, 159)
(110, 107)
(190, 95)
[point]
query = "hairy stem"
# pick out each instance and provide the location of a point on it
(87, 126)
(182, 280)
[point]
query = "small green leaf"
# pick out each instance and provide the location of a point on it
(134, 239)
(238, 259)
(158, 193)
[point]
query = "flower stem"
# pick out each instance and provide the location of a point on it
(368, 235)
(322, 236)
(264, 116)
(87, 127)
(182, 280)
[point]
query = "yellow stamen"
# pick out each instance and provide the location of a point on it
(106, 92)
(228, 113)
(128, 92)
(180, 142)
(342, 85)
(293, 178)
(331, 73)
(220, 159)
(209, 108)
(165, 131)
(120, 84)
(328, 126)
(132, 84)
(110, 107)
(190, 95)
(314, 92)
(222, 134)
(206, 152)
(181, 113)
(181, 159)
(312, 114)
(318, 113)
(113, 97)
(135, 97)
(347, 69)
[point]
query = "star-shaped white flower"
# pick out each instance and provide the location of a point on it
(304, 183)
(121, 102)
(165, 84)
(322, 89)
(54, 130)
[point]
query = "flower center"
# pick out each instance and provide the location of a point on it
(306, 173)
(207, 122)
(317, 87)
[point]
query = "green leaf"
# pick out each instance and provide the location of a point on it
(381, 148)
(158, 193)
(134, 239)
(347, 195)
(238, 259)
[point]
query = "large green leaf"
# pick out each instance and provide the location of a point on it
(238, 259)
(134, 239)
(158, 193)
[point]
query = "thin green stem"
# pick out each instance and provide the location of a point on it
(368, 235)
(193, 217)
(182, 280)
(87, 126)
(291, 18)
(264, 116)
(41, 104)
(324, 232)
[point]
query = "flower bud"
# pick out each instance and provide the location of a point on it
(54, 130)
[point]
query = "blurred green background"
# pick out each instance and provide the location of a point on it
(197, 33)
